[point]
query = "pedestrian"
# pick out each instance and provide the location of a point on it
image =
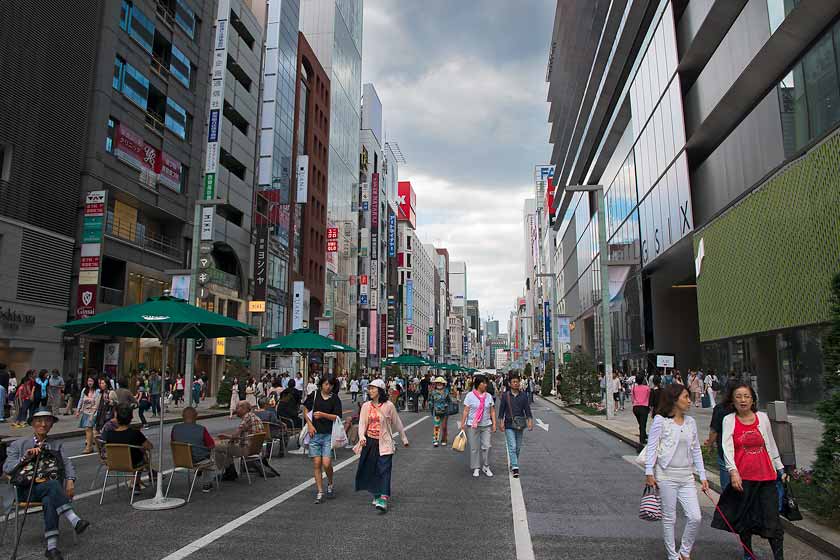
(640, 400)
(515, 413)
(40, 397)
(53, 484)
(377, 422)
(71, 394)
(196, 391)
(439, 399)
(105, 406)
(425, 384)
(615, 389)
(155, 388)
(711, 385)
(143, 404)
(673, 456)
(324, 407)
(234, 396)
(354, 390)
(180, 387)
(363, 385)
(719, 412)
(695, 385)
(602, 383)
(751, 502)
(479, 420)
(86, 412)
(23, 399)
(55, 391)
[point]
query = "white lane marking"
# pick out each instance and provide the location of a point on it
(521, 531)
(231, 526)
(542, 424)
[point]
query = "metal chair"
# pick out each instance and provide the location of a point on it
(118, 463)
(182, 459)
(292, 432)
(275, 434)
(253, 445)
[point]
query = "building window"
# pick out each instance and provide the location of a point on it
(125, 10)
(176, 119)
(185, 178)
(141, 29)
(5, 162)
(180, 66)
(119, 64)
(185, 18)
(135, 86)
(109, 136)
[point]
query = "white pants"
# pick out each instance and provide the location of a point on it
(686, 493)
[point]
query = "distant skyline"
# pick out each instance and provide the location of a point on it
(464, 94)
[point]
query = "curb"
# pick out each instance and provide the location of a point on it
(812, 539)
(81, 432)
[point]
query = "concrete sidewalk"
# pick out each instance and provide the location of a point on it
(807, 434)
(68, 426)
(807, 430)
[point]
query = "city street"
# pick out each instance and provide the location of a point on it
(580, 491)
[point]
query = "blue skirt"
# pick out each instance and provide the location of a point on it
(374, 472)
(87, 421)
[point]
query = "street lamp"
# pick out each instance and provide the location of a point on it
(605, 284)
(552, 316)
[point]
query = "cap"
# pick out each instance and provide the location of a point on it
(440, 380)
(378, 383)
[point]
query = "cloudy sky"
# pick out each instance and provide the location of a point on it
(462, 84)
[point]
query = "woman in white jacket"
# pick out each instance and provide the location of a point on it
(673, 456)
(751, 501)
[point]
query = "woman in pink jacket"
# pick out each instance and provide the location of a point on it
(376, 445)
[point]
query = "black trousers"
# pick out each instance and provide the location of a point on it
(776, 544)
(641, 414)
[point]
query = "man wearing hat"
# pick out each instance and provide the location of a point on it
(53, 483)
(439, 403)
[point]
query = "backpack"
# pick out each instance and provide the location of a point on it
(441, 406)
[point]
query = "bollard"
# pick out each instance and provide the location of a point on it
(782, 432)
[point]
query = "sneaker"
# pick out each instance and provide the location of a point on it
(486, 470)
(475, 473)
(443, 443)
(373, 503)
(515, 473)
(382, 505)
(435, 444)
(53, 554)
(207, 487)
(330, 492)
(319, 498)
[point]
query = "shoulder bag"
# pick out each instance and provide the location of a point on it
(517, 422)
(789, 509)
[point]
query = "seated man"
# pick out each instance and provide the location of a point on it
(269, 415)
(288, 407)
(236, 443)
(53, 484)
(125, 434)
(197, 436)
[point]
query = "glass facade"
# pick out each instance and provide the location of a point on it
(809, 96)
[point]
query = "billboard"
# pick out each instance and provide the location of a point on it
(547, 314)
(409, 300)
(298, 305)
(261, 261)
(406, 203)
(392, 235)
(302, 176)
(363, 342)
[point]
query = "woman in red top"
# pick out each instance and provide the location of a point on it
(751, 501)
(23, 397)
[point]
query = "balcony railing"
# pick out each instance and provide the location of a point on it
(224, 279)
(165, 15)
(154, 124)
(136, 234)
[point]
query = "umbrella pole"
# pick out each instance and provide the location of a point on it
(159, 502)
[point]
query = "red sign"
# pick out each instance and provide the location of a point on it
(89, 263)
(85, 302)
(363, 280)
(406, 201)
(170, 172)
(332, 246)
(130, 148)
(332, 233)
(97, 209)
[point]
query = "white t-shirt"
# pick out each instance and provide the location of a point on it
(298, 384)
(354, 386)
(472, 401)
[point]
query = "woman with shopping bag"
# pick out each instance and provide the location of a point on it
(321, 409)
(377, 421)
(750, 504)
(479, 420)
(672, 456)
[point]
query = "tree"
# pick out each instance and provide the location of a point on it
(235, 370)
(393, 371)
(356, 370)
(827, 465)
(579, 382)
(527, 373)
(548, 378)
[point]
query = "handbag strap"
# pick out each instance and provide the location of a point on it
(725, 520)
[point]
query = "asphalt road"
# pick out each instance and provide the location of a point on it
(580, 492)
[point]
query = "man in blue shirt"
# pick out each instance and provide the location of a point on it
(515, 412)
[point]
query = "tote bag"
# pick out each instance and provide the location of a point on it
(460, 442)
(650, 509)
(339, 436)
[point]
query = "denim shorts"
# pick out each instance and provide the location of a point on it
(320, 445)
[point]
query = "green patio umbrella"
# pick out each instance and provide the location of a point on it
(406, 360)
(165, 318)
(303, 341)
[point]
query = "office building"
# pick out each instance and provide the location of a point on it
(442, 265)
(334, 29)
(714, 138)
